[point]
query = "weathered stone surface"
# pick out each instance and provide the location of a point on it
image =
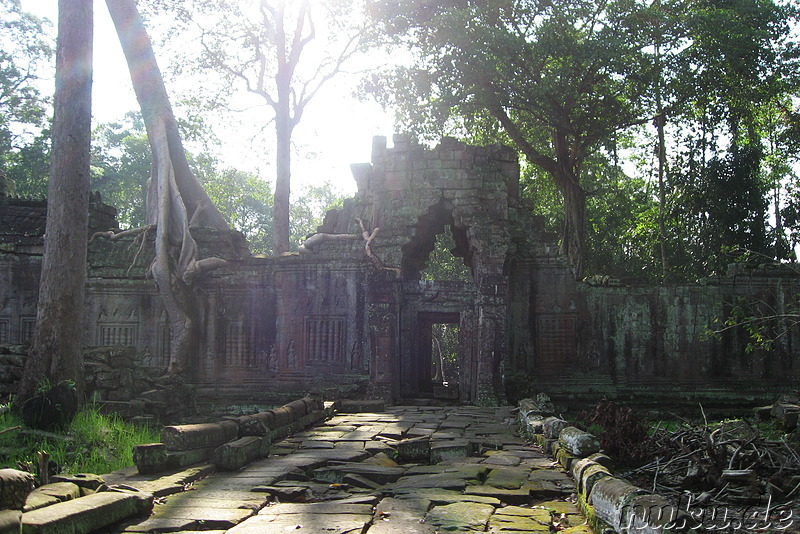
(652, 514)
(509, 496)
(235, 454)
(88, 482)
(10, 521)
(553, 426)
(376, 473)
(177, 459)
(15, 486)
(507, 478)
(442, 496)
(86, 514)
(359, 406)
(150, 458)
(460, 516)
(610, 498)
(578, 443)
(198, 436)
(414, 449)
(311, 524)
(456, 448)
(51, 494)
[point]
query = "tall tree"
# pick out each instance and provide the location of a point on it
(55, 352)
(282, 52)
(25, 51)
(176, 200)
(559, 77)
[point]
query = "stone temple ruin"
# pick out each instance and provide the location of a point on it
(357, 318)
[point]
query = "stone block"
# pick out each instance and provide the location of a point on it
(610, 498)
(283, 417)
(376, 473)
(362, 406)
(445, 450)
(298, 408)
(10, 521)
(88, 482)
(653, 514)
(150, 458)
(198, 436)
(251, 425)
(15, 486)
(87, 514)
(460, 516)
(236, 454)
(176, 459)
(590, 476)
(414, 449)
(552, 427)
(578, 442)
(50, 494)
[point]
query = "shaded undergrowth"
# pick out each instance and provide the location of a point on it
(92, 443)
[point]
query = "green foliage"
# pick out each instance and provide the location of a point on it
(442, 265)
(308, 208)
(93, 443)
(25, 51)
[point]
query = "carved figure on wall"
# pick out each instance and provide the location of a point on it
(355, 357)
(272, 360)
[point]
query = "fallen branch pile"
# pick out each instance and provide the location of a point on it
(725, 463)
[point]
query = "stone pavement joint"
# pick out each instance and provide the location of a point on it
(471, 472)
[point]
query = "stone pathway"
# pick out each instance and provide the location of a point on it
(341, 477)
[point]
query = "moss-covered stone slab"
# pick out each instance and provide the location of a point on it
(317, 508)
(509, 496)
(451, 481)
(238, 453)
(86, 514)
(50, 494)
(460, 516)
(507, 478)
(300, 523)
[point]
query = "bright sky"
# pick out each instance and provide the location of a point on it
(336, 129)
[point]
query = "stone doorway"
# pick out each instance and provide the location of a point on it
(439, 355)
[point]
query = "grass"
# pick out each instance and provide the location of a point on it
(93, 443)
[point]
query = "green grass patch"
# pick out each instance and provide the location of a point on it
(93, 443)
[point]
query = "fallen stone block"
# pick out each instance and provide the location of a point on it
(15, 486)
(252, 425)
(177, 459)
(150, 458)
(541, 405)
(298, 409)
(198, 436)
(86, 514)
(50, 494)
(88, 482)
(282, 416)
(414, 449)
(236, 454)
(441, 451)
(578, 442)
(552, 427)
(610, 497)
(653, 514)
(10, 521)
(362, 406)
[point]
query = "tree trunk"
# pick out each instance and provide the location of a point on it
(573, 237)
(176, 200)
(283, 131)
(56, 349)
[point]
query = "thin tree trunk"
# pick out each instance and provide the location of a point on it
(280, 210)
(176, 200)
(56, 349)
